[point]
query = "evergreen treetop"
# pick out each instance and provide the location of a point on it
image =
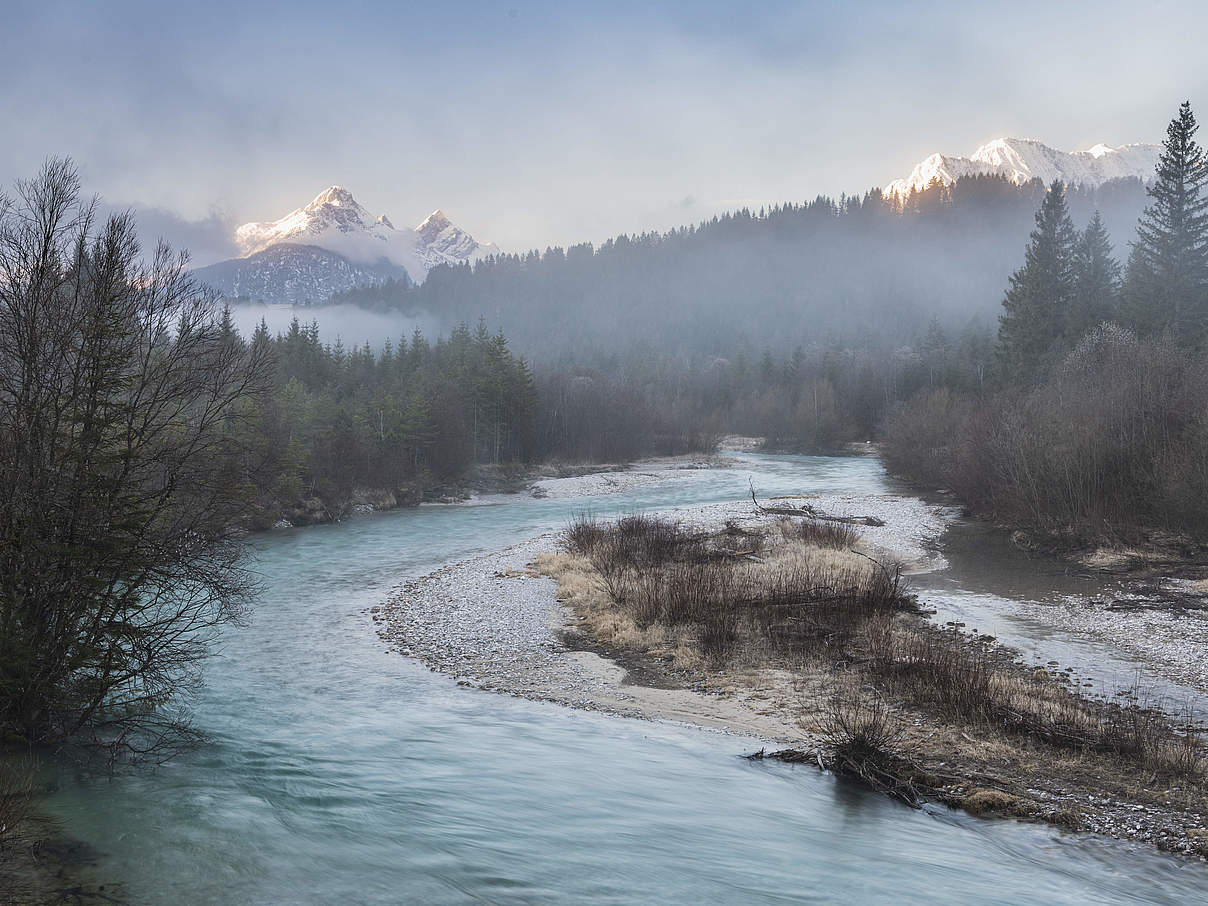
(1036, 306)
(1167, 286)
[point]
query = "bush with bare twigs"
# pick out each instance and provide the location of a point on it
(815, 532)
(792, 604)
(17, 777)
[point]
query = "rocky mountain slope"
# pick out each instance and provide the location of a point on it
(334, 244)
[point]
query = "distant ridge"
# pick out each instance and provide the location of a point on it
(1021, 160)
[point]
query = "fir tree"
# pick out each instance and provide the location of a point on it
(1096, 281)
(1167, 285)
(1040, 293)
(935, 350)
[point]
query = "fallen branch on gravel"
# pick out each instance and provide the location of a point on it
(808, 512)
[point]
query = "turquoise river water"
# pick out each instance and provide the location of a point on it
(341, 773)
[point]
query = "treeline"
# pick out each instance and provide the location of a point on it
(338, 420)
(802, 323)
(857, 271)
(1094, 424)
(341, 425)
(816, 398)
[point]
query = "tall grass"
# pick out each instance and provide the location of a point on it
(818, 533)
(806, 603)
(659, 573)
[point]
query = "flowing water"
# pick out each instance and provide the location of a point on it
(987, 581)
(340, 773)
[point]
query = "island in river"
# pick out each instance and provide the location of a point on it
(534, 620)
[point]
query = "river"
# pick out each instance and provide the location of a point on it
(341, 773)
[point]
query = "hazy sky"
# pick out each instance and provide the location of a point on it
(548, 123)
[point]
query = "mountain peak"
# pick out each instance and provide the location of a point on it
(1022, 159)
(333, 195)
(336, 223)
(437, 225)
(437, 218)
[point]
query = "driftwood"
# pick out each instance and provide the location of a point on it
(808, 512)
(886, 774)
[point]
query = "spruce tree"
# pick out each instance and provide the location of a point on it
(1167, 284)
(1096, 281)
(1040, 293)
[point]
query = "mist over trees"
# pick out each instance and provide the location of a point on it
(803, 323)
(853, 271)
(1095, 425)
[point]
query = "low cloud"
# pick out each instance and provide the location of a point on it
(349, 324)
(208, 239)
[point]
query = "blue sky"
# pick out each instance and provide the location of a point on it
(548, 123)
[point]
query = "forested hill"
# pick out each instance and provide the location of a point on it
(859, 271)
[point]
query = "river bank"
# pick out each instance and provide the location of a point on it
(514, 622)
(339, 771)
(549, 479)
(496, 623)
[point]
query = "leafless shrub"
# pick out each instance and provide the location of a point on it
(1112, 444)
(816, 533)
(17, 776)
(660, 574)
(582, 535)
(858, 723)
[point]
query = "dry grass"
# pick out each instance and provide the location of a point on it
(996, 802)
(816, 533)
(734, 592)
(966, 679)
(775, 598)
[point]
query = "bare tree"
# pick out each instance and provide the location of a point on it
(121, 474)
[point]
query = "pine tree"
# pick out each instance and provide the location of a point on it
(935, 351)
(1039, 296)
(1167, 285)
(1096, 281)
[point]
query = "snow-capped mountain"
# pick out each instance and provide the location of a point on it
(440, 240)
(1021, 159)
(337, 222)
(334, 244)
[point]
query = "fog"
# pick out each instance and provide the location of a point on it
(348, 324)
(843, 273)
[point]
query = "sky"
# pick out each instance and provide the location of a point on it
(537, 124)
